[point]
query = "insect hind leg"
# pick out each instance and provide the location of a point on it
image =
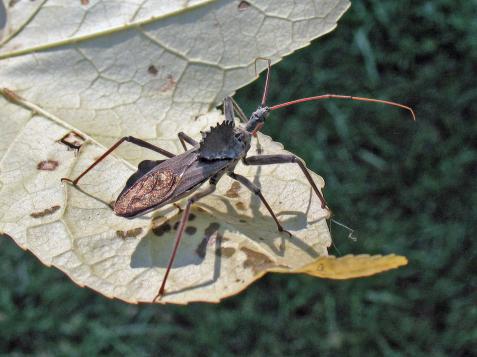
(130, 139)
(180, 232)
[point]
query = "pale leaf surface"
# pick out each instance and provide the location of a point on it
(230, 242)
(143, 68)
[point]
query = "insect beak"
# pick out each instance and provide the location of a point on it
(257, 128)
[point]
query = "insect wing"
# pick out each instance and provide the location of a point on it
(197, 173)
(143, 168)
(147, 192)
(152, 184)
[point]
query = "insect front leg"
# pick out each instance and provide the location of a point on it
(130, 139)
(239, 112)
(229, 111)
(267, 78)
(184, 138)
(265, 94)
(180, 230)
(251, 186)
(285, 159)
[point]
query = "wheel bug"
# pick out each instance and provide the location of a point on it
(158, 183)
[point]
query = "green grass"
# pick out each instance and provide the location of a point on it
(406, 187)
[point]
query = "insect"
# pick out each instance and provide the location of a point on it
(158, 183)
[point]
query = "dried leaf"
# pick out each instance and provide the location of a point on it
(106, 69)
(352, 266)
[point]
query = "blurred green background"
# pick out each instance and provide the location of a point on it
(407, 188)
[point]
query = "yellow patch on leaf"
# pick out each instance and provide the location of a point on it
(352, 266)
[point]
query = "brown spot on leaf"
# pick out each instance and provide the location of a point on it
(190, 230)
(256, 261)
(243, 5)
(226, 252)
(232, 192)
(157, 218)
(170, 84)
(73, 140)
(12, 3)
(45, 212)
(191, 217)
(129, 233)
(177, 206)
(176, 225)
(240, 206)
(152, 70)
(47, 165)
(84, 2)
(242, 220)
(160, 230)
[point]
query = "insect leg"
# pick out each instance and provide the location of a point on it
(267, 80)
(229, 111)
(284, 159)
(130, 139)
(184, 138)
(180, 231)
(243, 118)
(247, 183)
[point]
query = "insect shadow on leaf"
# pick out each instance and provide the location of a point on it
(152, 251)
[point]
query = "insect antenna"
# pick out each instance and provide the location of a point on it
(338, 96)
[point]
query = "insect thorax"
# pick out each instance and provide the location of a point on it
(224, 141)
